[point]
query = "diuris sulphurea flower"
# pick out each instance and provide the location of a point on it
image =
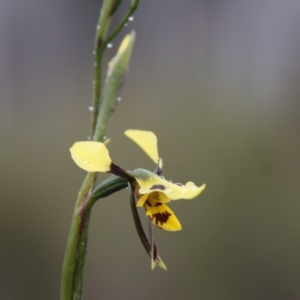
(150, 190)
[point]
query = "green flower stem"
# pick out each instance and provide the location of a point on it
(71, 255)
(108, 8)
(106, 188)
(81, 250)
(72, 273)
(133, 6)
(72, 280)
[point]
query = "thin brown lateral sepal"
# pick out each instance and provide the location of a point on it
(150, 248)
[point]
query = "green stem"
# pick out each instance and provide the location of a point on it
(81, 246)
(72, 276)
(106, 188)
(107, 9)
(81, 251)
(79, 226)
(133, 6)
(73, 265)
(70, 260)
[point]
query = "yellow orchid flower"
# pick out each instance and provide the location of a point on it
(147, 188)
(155, 191)
(151, 190)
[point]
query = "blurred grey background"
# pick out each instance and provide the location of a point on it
(218, 82)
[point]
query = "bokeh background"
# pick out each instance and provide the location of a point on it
(218, 81)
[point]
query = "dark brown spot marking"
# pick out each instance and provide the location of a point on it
(157, 186)
(158, 204)
(161, 218)
(148, 203)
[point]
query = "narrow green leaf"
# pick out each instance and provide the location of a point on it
(108, 187)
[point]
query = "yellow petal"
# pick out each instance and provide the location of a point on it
(91, 156)
(157, 196)
(147, 141)
(150, 182)
(161, 215)
(142, 200)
